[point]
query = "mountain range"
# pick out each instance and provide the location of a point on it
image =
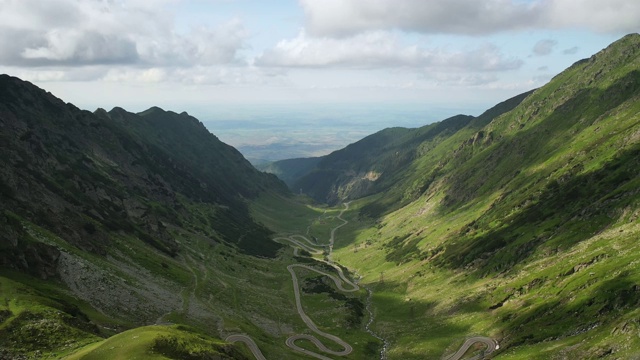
(125, 234)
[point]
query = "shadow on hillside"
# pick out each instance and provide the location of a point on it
(567, 210)
(564, 214)
(411, 324)
(561, 317)
(483, 171)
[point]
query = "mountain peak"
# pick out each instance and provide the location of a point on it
(629, 37)
(621, 50)
(152, 110)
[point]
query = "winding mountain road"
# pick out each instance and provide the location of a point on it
(347, 349)
(298, 244)
(302, 242)
(310, 324)
(249, 342)
(492, 345)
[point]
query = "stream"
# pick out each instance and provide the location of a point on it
(385, 346)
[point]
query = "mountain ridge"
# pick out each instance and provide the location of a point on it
(369, 165)
(110, 155)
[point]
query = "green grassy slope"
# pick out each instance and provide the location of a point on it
(380, 161)
(290, 170)
(523, 229)
(211, 287)
(370, 165)
(83, 175)
(157, 342)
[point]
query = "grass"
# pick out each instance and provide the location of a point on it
(284, 215)
(218, 291)
(448, 304)
(156, 342)
(39, 320)
(513, 256)
(136, 343)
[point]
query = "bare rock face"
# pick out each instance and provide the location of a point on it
(41, 259)
(19, 251)
(131, 291)
(37, 259)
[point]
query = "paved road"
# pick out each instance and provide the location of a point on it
(492, 345)
(347, 349)
(290, 342)
(297, 244)
(338, 282)
(302, 242)
(250, 343)
(333, 231)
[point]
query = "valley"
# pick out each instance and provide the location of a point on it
(509, 235)
(323, 254)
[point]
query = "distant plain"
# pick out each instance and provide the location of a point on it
(264, 133)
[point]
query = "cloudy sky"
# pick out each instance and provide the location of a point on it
(197, 55)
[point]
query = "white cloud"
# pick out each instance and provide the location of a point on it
(189, 76)
(202, 46)
(611, 16)
(346, 17)
(151, 75)
(463, 80)
(380, 49)
(75, 46)
(339, 18)
(41, 75)
(364, 50)
(184, 46)
(82, 33)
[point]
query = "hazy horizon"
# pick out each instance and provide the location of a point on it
(267, 132)
(342, 68)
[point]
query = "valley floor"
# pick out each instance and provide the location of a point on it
(474, 347)
(333, 292)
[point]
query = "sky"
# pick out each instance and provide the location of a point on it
(216, 58)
